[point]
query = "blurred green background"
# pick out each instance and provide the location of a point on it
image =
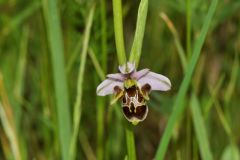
(45, 48)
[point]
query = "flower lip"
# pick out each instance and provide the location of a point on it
(133, 105)
(139, 115)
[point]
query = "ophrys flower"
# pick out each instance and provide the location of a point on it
(132, 88)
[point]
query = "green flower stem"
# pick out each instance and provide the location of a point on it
(130, 143)
(118, 30)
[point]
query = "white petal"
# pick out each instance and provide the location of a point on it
(156, 81)
(137, 75)
(116, 76)
(130, 68)
(107, 87)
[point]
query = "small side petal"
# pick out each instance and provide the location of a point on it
(139, 74)
(107, 87)
(116, 76)
(130, 68)
(156, 81)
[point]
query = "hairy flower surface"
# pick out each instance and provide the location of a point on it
(132, 88)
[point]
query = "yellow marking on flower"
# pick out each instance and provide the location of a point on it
(116, 98)
(129, 83)
(135, 122)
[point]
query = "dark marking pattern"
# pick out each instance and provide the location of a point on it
(133, 104)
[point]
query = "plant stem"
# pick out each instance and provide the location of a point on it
(118, 30)
(130, 143)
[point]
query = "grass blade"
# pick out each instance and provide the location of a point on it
(232, 84)
(103, 33)
(77, 106)
(176, 40)
(178, 105)
(10, 132)
(20, 17)
(100, 127)
(223, 120)
(139, 33)
(102, 102)
(231, 152)
(87, 149)
(214, 91)
(60, 82)
(96, 64)
(74, 55)
(8, 121)
(188, 39)
(18, 88)
(200, 129)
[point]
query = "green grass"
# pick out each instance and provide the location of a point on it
(60, 81)
(200, 129)
(179, 106)
(53, 54)
(78, 102)
(20, 17)
(8, 122)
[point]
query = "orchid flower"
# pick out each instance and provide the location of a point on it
(133, 88)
